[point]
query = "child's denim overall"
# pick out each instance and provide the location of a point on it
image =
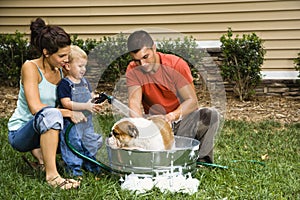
(82, 136)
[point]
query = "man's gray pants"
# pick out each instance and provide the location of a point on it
(202, 125)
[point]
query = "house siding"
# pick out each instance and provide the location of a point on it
(276, 22)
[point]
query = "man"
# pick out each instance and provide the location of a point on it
(162, 84)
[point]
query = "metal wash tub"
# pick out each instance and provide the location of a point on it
(182, 159)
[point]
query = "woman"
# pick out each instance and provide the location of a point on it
(36, 123)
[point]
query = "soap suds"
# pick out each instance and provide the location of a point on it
(167, 182)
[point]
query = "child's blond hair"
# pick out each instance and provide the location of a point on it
(77, 52)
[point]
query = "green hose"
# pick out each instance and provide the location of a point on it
(226, 167)
(72, 148)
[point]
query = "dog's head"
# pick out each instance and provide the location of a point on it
(139, 133)
(124, 132)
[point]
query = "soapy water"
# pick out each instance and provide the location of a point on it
(184, 153)
(168, 182)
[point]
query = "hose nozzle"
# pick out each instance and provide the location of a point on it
(102, 97)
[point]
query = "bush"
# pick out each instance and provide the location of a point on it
(297, 64)
(186, 49)
(243, 58)
(109, 55)
(86, 45)
(14, 50)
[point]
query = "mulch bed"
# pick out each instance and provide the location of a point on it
(284, 110)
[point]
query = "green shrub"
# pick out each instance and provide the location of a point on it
(243, 58)
(109, 55)
(86, 45)
(112, 57)
(186, 49)
(297, 64)
(14, 50)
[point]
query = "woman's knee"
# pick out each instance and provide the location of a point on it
(48, 118)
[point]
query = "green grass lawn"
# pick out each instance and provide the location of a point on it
(239, 141)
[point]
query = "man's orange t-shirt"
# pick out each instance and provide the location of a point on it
(160, 90)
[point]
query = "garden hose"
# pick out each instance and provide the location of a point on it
(72, 148)
(226, 167)
(212, 165)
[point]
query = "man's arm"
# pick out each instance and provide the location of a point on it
(135, 101)
(189, 104)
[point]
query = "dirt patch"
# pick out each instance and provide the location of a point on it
(8, 99)
(281, 109)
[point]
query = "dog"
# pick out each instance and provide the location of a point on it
(153, 133)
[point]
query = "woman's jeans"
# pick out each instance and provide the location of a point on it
(27, 137)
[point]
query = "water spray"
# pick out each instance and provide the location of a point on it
(122, 108)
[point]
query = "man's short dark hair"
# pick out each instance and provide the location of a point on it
(139, 39)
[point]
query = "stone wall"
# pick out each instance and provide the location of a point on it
(280, 88)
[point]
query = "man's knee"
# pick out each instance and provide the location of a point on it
(208, 116)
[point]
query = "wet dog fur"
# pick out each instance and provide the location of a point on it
(126, 135)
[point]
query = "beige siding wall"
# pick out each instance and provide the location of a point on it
(277, 22)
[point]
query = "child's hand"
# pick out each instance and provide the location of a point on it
(97, 108)
(94, 108)
(90, 106)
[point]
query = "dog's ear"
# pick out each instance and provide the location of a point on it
(132, 131)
